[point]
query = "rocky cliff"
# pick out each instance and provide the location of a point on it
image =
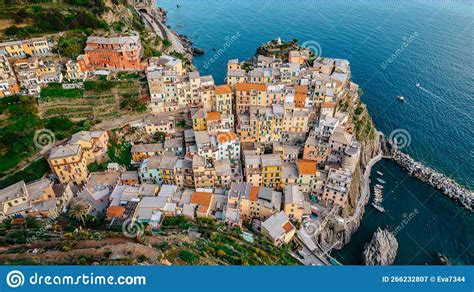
(381, 250)
(336, 235)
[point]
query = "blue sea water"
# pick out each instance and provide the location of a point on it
(392, 46)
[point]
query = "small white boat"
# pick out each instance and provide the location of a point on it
(401, 98)
(379, 186)
(379, 172)
(418, 85)
(378, 207)
(380, 180)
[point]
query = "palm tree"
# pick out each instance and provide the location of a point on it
(79, 211)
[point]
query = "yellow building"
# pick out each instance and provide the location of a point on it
(143, 151)
(29, 47)
(293, 203)
(208, 93)
(271, 170)
(204, 172)
(263, 170)
(295, 120)
(307, 175)
(94, 144)
(248, 94)
(266, 123)
(223, 99)
(249, 202)
(69, 164)
(199, 120)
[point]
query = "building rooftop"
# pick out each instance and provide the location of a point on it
(293, 195)
(223, 89)
(64, 151)
(277, 225)
(152, 147)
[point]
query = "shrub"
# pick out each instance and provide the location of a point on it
(188, 256)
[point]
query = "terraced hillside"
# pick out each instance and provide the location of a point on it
(97, 101)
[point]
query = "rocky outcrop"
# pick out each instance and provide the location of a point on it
(198, 51)
(382, 249)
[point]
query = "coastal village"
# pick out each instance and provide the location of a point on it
(273, 151)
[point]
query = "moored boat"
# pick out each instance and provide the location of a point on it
(378, 207)
(380, 180)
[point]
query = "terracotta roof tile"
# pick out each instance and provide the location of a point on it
(250, 86)
(115, 211)
(329, 104)
(223, 89)
(202, 199)
(307, 167)
(287, 227)
(254, 190)
(213, 116)
(301, 89)
(224, 137)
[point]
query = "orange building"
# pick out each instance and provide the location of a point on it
(203, 202)
(248, 94)
(116, 53)
(300, 95)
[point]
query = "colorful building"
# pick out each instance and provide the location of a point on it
(69, 163)
(114, 53)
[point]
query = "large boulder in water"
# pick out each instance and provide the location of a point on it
(381, 250)
(198, 51)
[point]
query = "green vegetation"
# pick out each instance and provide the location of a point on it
(132, 102)
(166, 42)
(43, 17)
(363, 124)
(100, 99)
(63, 127)
(35, 170)
(95, 166)
(179, 221)
(159, 136)
(119, 151)
(18, 126)
(358, 110)
(72, 44)
(188, 256)
(55, 90)
(17, 129)
(99, 86)
(220, 244)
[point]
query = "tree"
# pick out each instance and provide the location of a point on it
(159, 136)
(79, 211)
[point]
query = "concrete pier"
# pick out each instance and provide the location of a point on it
(437, 180)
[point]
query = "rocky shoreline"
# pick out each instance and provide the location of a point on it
(437, 180)
(185, 41)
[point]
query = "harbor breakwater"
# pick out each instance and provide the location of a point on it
(437, 180)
